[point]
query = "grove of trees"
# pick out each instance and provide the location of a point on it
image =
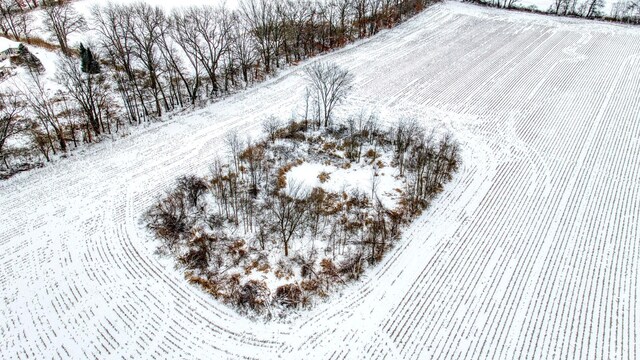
(144, 61)
(250, 217)
(247, 216)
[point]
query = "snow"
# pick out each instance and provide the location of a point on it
(358, 178)
(530, 252)
(7, 44)
(20, 78)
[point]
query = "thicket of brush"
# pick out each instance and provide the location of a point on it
(233, 231)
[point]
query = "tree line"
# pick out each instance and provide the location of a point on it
(624, 11)
(144, 61)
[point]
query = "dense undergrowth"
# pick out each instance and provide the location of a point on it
(291, 218)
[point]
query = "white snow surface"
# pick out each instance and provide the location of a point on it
(360, 177)
(530, 252)
(6, 44)
(20, 78)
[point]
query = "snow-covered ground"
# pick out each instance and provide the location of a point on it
(19, 76)
(530, 252)
(359, 178)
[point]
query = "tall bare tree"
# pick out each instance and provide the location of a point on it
(593, 8)
(329, 84)
(146, 24)
(87, 90)
(113, 24)
(289, 211)
(205, 33)
(14, 20)
(42, 104)
(10, 124)
(61, 19)
(262, 19)
(241, 48)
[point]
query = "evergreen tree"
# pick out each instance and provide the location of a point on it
(27, 58)
(83, 58)
(23, 51)
(89, 64)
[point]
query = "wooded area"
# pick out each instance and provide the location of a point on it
(249, 224)
(146, 62)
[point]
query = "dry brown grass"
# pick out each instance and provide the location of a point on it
(324, 177)
(37, 42)
(281, 183)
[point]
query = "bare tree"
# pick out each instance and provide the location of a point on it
(234, 145)
(375, 181)
(169, 219)
(205, 34)
(330, 85)
(194, 188)
(270, 126)
(182, 31)
(295, 17)
(61, 20)
(406, 132)
(176, 72)
(633, 11)
(593, 8)
(112, 22)
(262, 20)
(41, 103)
(146, 24)
(289, 211)
(14, 20)
(10, 125)
(242, 48)
(87, 90)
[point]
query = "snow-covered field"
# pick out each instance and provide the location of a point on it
(530, 252)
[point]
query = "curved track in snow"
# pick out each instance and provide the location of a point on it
(531, 252)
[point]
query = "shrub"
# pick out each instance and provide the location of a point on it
(195, 258)
(193, 188)
(329, 146)
(237, 250)
(169, 219)
(329, 272)
(324, 177)
(289, 295)
(283, 270)
(353, 266)
(254, 295)
(309, 285)
(212, 286)
(371, 154)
